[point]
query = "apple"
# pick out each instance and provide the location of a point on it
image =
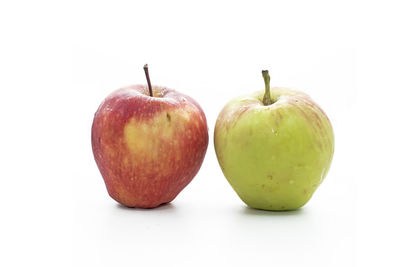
(148, 143)
(274, 147)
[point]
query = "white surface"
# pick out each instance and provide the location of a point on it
(58, 61)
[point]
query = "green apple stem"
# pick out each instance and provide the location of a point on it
(146, 71)
(267, 97)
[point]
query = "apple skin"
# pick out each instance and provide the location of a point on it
(148, 148)
(274, 156)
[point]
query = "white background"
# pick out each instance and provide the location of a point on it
(58, 60)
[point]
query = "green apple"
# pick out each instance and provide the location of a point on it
(274, 147)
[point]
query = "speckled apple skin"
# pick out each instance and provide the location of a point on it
(274, 156)
(148, 148)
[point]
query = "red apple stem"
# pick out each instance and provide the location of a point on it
(267, 96)
(146, 71)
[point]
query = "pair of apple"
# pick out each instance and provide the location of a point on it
(274, 147)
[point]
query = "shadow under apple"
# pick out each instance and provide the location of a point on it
(258, 212)
(162, 207)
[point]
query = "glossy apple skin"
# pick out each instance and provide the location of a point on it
(274, 156)
(148, 148)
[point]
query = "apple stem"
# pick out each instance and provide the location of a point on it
(146, 71)
(267, 97)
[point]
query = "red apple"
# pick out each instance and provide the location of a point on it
(149, 143)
